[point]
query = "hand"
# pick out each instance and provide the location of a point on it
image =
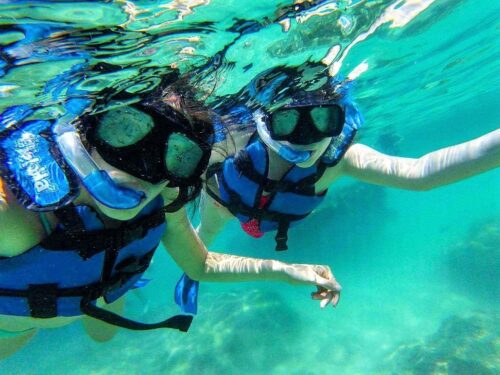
(328, 289)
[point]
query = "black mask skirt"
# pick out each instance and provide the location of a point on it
(307, 124)
(168, 150)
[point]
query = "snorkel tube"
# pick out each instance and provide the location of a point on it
(286, 152)
(97, 182)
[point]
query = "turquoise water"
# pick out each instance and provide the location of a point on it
(419, 270)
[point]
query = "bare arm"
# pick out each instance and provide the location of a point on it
(20, 229)
(191, 255)
(432, 170)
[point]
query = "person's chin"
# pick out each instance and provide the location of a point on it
(311, 161)
(120, 215)
(306, 164)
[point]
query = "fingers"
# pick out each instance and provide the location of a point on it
(325, 278)
(330, 284)
(330, 297)
(328, 289)
(335, 299)
(326, 297)
(324, 302)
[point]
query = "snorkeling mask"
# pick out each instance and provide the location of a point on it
(303, 125)
(299, 125)
(150, 145)
(179, 154)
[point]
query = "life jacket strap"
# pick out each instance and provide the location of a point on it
(282, 236)
(100, 240)
(42, 298)
(180, 322)
(69, 218)
(244, 165)
(237, 206)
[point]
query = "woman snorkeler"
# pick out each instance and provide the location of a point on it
(84, 202)
(297, 145)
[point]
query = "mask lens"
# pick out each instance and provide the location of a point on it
(328, 120)
(124, 126)
(183, 156)
(284, 122)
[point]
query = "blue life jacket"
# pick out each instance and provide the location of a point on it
(243, 180)
(81, 260)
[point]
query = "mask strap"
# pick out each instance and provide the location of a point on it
(178, 202)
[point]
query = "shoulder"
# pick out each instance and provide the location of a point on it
(356, 155)
(359, 154)
(21, 229)
(353, 152)
(357, 149)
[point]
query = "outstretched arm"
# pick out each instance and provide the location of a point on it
(432, 170)
(190, 254)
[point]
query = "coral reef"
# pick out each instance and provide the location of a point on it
(460, 346)
(474, 264)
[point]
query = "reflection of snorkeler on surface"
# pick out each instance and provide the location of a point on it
(280, 169)
(81, 221)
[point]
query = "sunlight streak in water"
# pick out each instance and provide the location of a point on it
(182, 7)
(399, 14)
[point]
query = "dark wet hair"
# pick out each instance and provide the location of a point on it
(180, 97)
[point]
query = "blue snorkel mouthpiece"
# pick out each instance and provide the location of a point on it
(286, 152)
(97, 182)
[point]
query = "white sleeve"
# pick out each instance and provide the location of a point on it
(434, 169)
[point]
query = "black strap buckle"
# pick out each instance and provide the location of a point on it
(282, 236)
(42, 300)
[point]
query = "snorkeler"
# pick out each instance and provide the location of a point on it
(84, 203)
(296, 148)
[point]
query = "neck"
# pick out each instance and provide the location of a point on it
(277, 165)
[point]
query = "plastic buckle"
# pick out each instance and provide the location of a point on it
(42, 300)
(281, 243)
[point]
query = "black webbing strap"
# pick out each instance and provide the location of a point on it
(282, 236)
(237, 206)
(180, 322)
(42, 301)
(305, 186)
(69, 218)
(90, 243)
(178, 202)
(79, 291)
(42, 298)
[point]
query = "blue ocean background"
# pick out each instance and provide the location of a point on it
(419, 270)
